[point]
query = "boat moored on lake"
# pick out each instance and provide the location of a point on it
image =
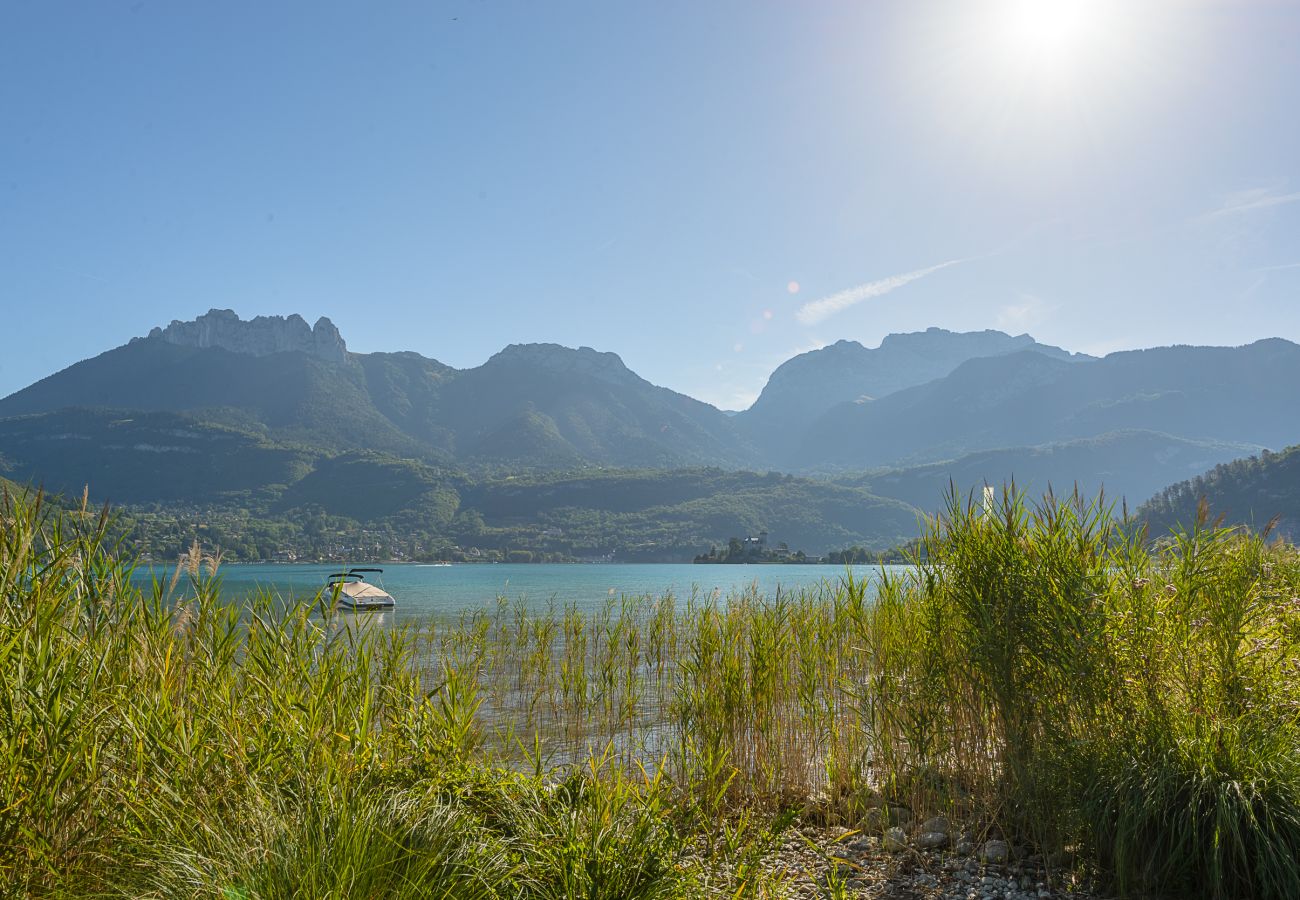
(350, 590)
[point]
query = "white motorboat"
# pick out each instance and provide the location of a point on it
(351, 590)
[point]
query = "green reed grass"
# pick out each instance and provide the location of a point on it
(1030, 674)
(1044, 671)
(161, 743)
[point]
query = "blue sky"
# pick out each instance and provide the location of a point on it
(654, 179)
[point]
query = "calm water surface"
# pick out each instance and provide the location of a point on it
(424, 591)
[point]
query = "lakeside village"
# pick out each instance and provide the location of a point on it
(246, 539)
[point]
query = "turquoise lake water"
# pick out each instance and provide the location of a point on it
(423, 592)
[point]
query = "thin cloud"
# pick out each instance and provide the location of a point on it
(1249, 201)
(819, 310)
(1023, 315)
(1255, 285)
(1294, 265)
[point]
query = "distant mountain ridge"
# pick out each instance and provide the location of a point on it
(292, 396)
(529, 405)
(1128, 466)
(583, 405)
(809, 385)
(219, 409)
(1220, 394)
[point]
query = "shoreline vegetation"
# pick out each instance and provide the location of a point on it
(425, 513)
(1122, 708)
(754, 551)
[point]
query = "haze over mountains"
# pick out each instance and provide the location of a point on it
(201, 410)
(805, 388)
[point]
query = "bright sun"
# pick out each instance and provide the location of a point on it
(1044, 50)
(1046, 26)
(1038, 79)
(1049, 36)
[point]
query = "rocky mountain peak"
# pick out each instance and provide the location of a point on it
(987, 342)
(260, 336)
(557, 358)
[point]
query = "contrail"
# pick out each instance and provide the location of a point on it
(817, 310)
(1248, 201)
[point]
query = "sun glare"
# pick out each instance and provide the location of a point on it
(1044, 27)
(1050, 35)
(1025, 84)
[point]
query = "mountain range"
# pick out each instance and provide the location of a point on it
(220, 410)
(534, 405)
(1212, 394)
(809, 386)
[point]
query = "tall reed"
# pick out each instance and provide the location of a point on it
(161, 742)
(1045, 671)
(1031, 673)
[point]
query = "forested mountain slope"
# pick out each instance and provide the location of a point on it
(1251, 491)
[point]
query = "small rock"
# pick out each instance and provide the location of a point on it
(965, 848)
(932, 840)
(895, 840)
(995, 852)
(937, 824)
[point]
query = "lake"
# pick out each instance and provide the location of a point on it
(425, 591)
